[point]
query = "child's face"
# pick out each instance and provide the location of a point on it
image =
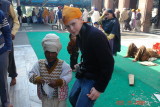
(50, 56)
(74, 26)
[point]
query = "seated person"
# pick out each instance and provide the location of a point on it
(142, 53)
(51, 75)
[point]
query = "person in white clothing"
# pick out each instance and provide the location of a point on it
(95, 16)
(51, 75)
(85, 15)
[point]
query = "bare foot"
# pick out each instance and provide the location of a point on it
(13, 82)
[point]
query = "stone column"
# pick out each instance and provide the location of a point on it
(123, 4)
(146, 10)
(97, 4)
(108, 4)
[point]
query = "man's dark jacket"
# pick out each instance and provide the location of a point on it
(97, 57)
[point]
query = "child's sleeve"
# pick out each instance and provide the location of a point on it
(66, 75)
(34, 74)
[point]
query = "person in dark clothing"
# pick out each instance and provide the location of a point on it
(40, 16)
(73, 51)
(97, 62)
(127, 25)
(111, 28)
(34, 17)
(5, 48)
(59, 16)
(12, 19)
(19, 11)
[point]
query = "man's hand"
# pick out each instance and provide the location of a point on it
(52, 84)
(104, 13)
(94, 94)
(13, 36)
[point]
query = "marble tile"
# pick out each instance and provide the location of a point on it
(24, 93)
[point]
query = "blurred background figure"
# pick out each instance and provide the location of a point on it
(127, 25)
(71, 5)
(34, 17)
(138, 21)
(117, 13)
(45, 15)
(85, 15)
(59, 17)
(133, 19)
(19, 11)
(51, 16)
(39, 16)
(123, 18)
(95, 16)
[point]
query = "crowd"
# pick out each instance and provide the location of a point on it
(129, 19)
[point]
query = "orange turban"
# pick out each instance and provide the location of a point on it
(70, 13)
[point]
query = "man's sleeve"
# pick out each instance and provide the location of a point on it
(6, 32)
(104, 59)
(16, 24)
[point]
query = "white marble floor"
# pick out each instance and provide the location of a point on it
(24, 94)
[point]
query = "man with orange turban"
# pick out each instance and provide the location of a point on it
(138, 20)
(95, 70)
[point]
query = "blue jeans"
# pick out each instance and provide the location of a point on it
(78, 96)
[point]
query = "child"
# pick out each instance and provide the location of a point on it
(51, 75)
(72, 49)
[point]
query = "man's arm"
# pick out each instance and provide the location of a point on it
(6, 32)
(105, 61)
(16, 24)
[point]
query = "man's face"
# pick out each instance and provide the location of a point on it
(74, 26)
(50, 56)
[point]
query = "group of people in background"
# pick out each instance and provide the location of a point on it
(129, 18)
(45, 16)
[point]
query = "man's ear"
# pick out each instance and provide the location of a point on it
(80, 18)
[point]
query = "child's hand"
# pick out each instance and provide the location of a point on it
(39, 80)
(52, 84)
(56, 83)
